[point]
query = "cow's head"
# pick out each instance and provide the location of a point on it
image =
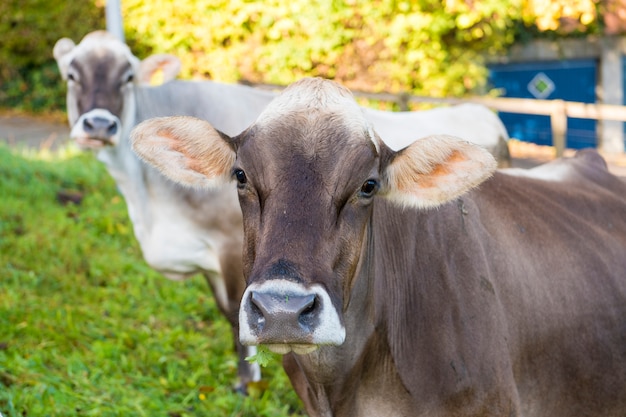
(101, 73)
(309, 173)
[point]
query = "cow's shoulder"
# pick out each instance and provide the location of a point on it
(578, 187)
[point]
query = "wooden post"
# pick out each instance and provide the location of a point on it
(558, 121)
(611, 91)
(403, 102)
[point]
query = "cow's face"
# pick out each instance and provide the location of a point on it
(101, 73)
(309, 173)
(306, 181)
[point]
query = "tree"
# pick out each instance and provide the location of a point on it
(425, 47)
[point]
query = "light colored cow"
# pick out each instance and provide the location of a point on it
(181, 231)
(416, 282)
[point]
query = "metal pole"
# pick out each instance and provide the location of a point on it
(113, 11)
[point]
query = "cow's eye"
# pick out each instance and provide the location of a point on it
(369, 187)
(240, 176)
(71, 77)
(130, 78)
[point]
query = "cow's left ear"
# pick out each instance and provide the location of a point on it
(187, 150)
(61, 51)
(435, 170)
(158, 69)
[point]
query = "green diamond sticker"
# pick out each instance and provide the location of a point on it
(541, 86)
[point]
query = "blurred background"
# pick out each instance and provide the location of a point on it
(424, 47)
(542, 49)
(86, 327)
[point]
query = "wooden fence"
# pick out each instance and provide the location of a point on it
(558, 110)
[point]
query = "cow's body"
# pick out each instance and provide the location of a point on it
(472, 122)
(510, 301)
(505, 300)
(175, 239)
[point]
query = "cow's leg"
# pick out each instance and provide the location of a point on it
(246, 371)
(228, 289)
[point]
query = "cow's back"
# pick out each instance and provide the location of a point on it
(230, 108)
(473, 122)
(518, 287)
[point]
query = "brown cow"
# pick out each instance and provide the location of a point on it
(397, 288)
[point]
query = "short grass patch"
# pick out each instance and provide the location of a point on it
(86, 327)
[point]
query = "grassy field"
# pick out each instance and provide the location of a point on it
(86, 328)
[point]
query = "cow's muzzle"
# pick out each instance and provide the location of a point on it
(99, 127)
(96, 129)
(287, 316)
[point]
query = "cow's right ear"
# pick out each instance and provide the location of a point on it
(158, 69)
(435, 170)
(60, 52)
(187, 150)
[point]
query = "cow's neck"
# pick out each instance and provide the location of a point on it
(128, 172)
(338, 377)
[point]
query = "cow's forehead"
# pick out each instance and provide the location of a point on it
(316, 98)
(101, 44)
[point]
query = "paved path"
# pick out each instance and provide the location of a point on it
(45, 133)
(33, 132)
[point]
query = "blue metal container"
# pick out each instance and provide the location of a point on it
(570, 80)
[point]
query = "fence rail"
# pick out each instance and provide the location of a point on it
(558, 110)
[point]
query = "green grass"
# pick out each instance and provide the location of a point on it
(86, 327)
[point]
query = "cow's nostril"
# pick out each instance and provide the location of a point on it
(112, 129)
(256, 311)
(257, 303)
(309, 306)
(308, 314)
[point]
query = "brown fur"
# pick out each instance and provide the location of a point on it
(508, 301)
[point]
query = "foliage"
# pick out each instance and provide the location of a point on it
(263, 356)
(34, 89)
(86, 328)
(427, 47)
(560, 18)
(571, 18)
(29, 29)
